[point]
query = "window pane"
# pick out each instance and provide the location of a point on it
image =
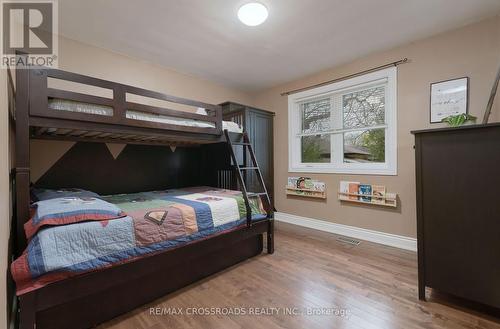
(316, 149)
(364, 146)
(364, 108)
(316, 116)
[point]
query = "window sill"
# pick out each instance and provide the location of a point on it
(351, 171)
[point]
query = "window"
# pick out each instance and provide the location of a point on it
(345, 127)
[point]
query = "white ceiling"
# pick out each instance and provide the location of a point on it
(300, 37)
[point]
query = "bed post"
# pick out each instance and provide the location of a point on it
(22, 162)
(27, 314)
(270, 236)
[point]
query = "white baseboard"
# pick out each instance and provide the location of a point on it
(387, 239)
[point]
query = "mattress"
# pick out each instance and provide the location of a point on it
(55, 253)
(73, 106)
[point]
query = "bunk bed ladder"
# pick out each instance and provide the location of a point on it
(239, 171)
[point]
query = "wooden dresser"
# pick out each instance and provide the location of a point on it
(258, 124)
(458, 211)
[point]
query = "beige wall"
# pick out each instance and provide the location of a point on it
(4, 199)
(81, 58)
(473, 51)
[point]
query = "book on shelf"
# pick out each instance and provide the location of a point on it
(378, 192)
(365, 189)
(306, 183)
(390, 199)
(353, 189)
(344, 189)
(319, 186)
(292, 182)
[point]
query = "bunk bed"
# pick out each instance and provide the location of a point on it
(44, 112)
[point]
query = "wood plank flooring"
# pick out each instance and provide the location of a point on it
(364, 286)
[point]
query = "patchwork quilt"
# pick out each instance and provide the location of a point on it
(154, 221)
(69, 210)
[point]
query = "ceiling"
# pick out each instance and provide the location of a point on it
(204, 37)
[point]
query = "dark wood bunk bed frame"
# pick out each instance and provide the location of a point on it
(92, 298)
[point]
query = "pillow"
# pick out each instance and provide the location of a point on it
(42, 194)
(69, 210)
(201, 110)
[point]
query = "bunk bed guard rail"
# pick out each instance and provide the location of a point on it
(116, 110)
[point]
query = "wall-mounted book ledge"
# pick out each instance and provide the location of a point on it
(306, 192)
(366, 194)
(390, 199)
(306, 187)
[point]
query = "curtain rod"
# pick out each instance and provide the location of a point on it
(378, 68)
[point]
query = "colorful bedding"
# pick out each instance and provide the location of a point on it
(42, 194)
(155, 221)
(69, 210)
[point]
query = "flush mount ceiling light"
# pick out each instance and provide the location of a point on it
(253, 13)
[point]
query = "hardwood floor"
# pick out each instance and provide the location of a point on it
(364, 286)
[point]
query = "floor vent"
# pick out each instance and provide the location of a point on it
(345, 239)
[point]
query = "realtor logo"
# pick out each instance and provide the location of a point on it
(29, 28)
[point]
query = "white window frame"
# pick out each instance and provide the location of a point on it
(389, 167)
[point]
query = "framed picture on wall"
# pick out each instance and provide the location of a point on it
(450, 97)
